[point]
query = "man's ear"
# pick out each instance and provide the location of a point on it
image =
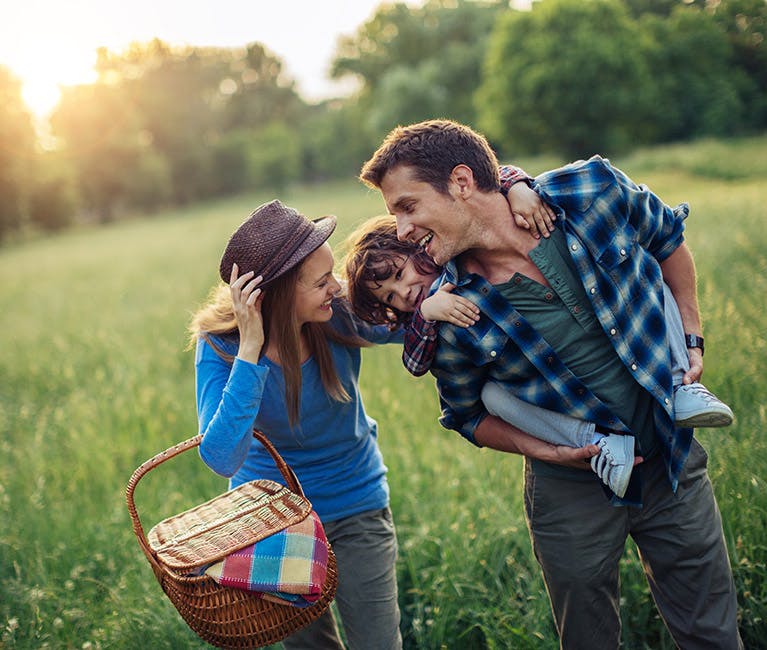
(462, 180)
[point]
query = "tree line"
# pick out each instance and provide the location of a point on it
(165, 125)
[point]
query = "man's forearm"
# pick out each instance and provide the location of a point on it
(495, 433)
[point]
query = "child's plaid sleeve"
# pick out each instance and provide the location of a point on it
(420, 344)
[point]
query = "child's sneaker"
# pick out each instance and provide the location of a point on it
(614, 462)
(696, 406)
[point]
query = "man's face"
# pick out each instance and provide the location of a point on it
(434, 221)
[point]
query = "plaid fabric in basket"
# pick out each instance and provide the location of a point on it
(289, 566)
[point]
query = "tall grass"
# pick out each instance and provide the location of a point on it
(94, 379)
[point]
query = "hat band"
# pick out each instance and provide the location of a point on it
(300, 235)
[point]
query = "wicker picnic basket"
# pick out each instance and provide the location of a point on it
(223, 616)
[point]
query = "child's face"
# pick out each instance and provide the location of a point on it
(405, 288)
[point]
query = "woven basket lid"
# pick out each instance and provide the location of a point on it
(231, 521)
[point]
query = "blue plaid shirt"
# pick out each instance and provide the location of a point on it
(617, 234)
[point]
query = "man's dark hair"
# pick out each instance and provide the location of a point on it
(433, 149)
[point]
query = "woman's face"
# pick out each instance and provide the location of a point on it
(405, 288)
(316, 287)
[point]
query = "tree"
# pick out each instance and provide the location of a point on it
(416, 63)
(745, 23)
(696, 87)
(177, 97)
(17, 153)
(335, 140)
(565, 77)
(275, 156)
(100, 134)
(52, 201)
(260, 90)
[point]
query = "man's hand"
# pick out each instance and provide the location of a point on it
(498, 434)
(696, 366)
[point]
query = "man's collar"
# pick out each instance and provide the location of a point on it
(450, 272)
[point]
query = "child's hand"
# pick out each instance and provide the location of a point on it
(529, 211)
(444, 306)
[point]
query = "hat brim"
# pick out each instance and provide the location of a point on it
(323, 229)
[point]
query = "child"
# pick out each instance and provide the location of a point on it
(389, 282)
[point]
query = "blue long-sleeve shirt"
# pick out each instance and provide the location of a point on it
(617, 234)
(333, 449)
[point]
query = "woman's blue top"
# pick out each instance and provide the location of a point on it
(333, 449)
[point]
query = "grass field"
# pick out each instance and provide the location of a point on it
(94, 379)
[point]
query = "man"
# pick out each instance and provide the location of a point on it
(573, 323)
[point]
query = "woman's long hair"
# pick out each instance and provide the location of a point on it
(216, 317)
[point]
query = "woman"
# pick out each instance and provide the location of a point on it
(278, 350)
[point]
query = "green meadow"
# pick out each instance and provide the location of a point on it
(95, 378)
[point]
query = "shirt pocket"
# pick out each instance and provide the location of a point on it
(624, 263)
(489, 346)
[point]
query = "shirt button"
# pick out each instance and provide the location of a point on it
(549, 295)
(492, 353)
(550, 360)
(576, 309)
(633, 366)
(623, 251)
(613, 332)
(484, 290)
(517, 280)
(574, 247)
(593, 291)
(517, 323)
(666, 400)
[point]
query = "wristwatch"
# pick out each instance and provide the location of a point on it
(694, 341)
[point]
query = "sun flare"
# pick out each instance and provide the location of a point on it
(41, 80)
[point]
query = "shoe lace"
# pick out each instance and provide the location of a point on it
(703, 392)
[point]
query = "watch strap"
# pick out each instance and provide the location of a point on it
(694, 341)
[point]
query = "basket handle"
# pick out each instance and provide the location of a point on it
(288, 474)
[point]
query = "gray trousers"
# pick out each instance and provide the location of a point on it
(365, 547)
(578, 539)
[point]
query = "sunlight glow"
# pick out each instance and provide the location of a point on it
(50, 43)
(41, 81)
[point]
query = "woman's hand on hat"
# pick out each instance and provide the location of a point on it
(247, 297)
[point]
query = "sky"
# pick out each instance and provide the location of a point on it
(50, 42)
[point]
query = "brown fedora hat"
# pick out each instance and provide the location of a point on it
(272, 240)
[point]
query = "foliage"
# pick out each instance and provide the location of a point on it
(52, 200)
(335, 139)
(17, 148)
(171, 125)
(567, 76)
(604, 76)
(696, 88)
(101, 134)
(745, 23)
(95, 380)
(275, 157)
(419, 63)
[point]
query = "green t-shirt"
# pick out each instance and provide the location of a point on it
(563, 315)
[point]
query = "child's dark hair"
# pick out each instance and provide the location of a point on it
(373, 255)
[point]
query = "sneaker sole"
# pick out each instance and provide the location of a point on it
(625, 470)
(710, 420)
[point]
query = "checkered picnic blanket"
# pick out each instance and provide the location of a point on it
(288, 567)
